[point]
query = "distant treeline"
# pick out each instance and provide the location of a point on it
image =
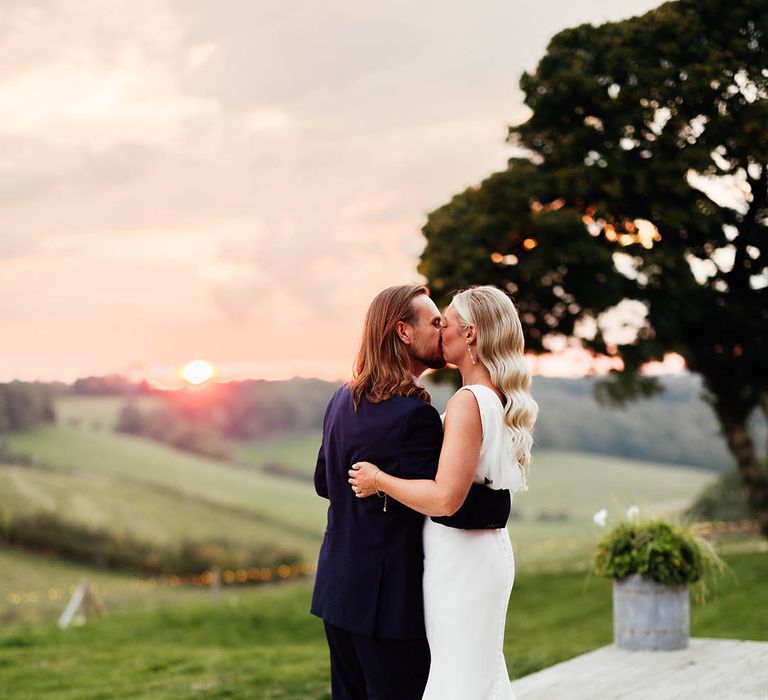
(167, 424)
(108, 385)
(24, 405)
(258, 409)
(677, 427)
(202, 419)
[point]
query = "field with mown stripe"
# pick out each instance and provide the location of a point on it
(132, 485)
(127, 483)
(164, 640)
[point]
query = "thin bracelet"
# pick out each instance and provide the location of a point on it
(378, 493)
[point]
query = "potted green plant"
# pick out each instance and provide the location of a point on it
(652, 564)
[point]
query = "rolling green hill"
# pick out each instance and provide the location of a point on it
(294, 454)
(554, 518)
(128, 484)
(131, 485)
(97, 413)
(126, 460)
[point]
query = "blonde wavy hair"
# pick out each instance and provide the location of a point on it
(383, 367)
(500, 347)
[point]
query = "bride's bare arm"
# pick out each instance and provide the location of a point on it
(444, 494)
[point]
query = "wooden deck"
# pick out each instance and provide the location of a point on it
(720, 669)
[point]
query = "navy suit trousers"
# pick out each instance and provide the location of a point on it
(366, 668)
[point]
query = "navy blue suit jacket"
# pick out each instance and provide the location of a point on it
(371, 562)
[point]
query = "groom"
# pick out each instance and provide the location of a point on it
(368, 589)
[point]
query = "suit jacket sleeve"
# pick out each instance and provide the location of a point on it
(420, 444)
(321, 483)
(419, 456)
(321, 477)
(483, 509)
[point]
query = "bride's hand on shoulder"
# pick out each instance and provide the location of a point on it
(362, 477)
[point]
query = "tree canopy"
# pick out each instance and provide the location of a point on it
(642, 177)
(25, 405)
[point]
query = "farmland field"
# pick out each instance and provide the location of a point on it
(132, 485)
(125, 481)
(97, 413)
(164, 640)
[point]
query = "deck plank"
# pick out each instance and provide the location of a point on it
(725, 669)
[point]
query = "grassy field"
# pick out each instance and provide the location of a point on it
(554, 520)
(262, 643)
(150, 511)
(161, 641)
(35, 589)
(296, 452)
(126, 483)
(130, 459)
(564, 486)
(97, 412)
(129, 484)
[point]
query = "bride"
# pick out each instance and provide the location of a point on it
(468, 574)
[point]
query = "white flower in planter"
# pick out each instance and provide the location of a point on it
(632, 513)
(600, 517)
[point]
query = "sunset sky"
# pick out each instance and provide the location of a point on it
(235, 180)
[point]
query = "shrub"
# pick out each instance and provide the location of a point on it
(657, 550)
(46, 532)
(725, 499)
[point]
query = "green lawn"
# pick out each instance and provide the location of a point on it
(35, 589)
(262, 643)
(167, 642)
(129, 484)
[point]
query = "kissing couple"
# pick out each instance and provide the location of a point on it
(414, 608)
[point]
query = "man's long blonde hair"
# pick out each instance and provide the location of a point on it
(500, 347)
(383, 366)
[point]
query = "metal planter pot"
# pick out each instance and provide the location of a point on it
(649, 616)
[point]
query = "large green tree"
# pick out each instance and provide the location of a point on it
(642, 177)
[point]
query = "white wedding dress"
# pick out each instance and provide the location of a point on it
(468, 577)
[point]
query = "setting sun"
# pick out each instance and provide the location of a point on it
(197, 371)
